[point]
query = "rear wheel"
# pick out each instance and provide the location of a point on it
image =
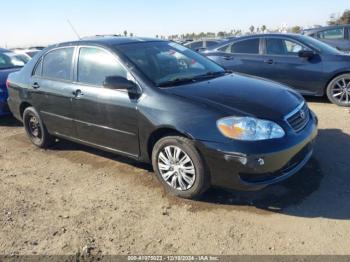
(179, 167)
(338, 90)
(35, 128)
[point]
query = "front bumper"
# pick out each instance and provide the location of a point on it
(255, 165)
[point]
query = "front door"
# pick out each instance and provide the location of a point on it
(104, 117)
(283, 64)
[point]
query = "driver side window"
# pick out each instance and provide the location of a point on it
(95, 64)
(278, 46)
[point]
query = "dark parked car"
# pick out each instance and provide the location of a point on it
(301, 62)
(159, 102)
(337, 36)
(202, 45)
(9, 62)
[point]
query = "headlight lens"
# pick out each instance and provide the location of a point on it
(249, 128)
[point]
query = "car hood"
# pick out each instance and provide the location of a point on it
(243, 96)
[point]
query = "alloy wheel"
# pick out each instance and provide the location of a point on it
(176, 168)
(341, 90)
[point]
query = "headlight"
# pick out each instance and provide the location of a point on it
(249, 128)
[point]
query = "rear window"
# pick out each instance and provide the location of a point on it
(57, 64)
(11, 60)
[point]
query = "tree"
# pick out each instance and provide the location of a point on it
(296, 29)
(251, 29)
(221, 34)
(131, 34)
(125, 33)
(340, 20)
(263, 28)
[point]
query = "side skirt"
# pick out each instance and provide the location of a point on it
(104, 148)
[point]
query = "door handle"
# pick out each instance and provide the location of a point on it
(77, 93)
(35, 85)
(229, 58)
(269, 61)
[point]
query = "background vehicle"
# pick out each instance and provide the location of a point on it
(27, 51)
(301, 62)
(337, 36)
(160, 102)
(9, 62)
(202, 45)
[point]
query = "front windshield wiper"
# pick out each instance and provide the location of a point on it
(176, 81)
(210, 74)
(179, 81)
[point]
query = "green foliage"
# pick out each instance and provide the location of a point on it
(344, 19)
(296, 29)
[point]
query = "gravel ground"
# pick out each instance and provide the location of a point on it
(72, 199)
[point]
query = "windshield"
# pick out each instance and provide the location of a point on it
(318, 45)
(168, 63)
(11, 60)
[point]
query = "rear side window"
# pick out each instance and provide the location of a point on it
(332, 34)
(95, 64)
(211, 43)
(196, 45)
(250, 46)
(57, 64)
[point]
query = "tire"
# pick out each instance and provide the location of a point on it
(35, 128)
(338, 90)
(182, 183)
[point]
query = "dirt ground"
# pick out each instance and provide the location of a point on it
(72, 199)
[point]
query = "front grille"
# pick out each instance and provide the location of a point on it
(299, 118)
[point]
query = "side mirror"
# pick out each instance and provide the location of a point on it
(118, 82)
(306, 54)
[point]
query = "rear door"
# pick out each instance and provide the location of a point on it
(283, 64)
(51, 90)
(104, 117)
(243, 56)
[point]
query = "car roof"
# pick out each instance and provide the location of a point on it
(108, 41)
(240, 38)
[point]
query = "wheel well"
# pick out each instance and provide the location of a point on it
(330, 80)
(23, 107)
(159, 134)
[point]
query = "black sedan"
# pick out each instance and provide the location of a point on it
(159, 102)
(301, 62)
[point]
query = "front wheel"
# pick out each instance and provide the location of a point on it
(338, 90)
(179, 167)
(35, 128)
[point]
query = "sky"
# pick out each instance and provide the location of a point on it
(36, 22)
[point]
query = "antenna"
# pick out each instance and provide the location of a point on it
(72, 27)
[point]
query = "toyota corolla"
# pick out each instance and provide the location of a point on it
(159, 102)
